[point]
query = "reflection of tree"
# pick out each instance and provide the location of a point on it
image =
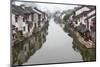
(66, 28)
(87, 54)
(23, 50)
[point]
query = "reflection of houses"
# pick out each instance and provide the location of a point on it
(87, 54)
(25, 20)
(29, 30)
(23, 50)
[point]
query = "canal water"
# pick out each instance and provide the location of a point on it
(57, 47)
(51, 45)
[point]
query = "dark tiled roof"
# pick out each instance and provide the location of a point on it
(17, 10)
(29, 9)
(39, 10)
(94, 19)
(77, 8)
(85, 13)
(36, 11)
(81, 14)
(21, 11)
(90, 7)
(91, 16)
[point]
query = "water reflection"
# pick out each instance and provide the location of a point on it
(59, 46)
(86, 54)
(23, 50)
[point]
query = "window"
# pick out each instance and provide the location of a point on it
(84, 15)
(24, 28)
(32, 17)
(79, 19)
(23, 19)
(76, 22)
(25, 48)
(16, 29)
(16, 18)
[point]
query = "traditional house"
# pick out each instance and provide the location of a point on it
(82, 20)
(90, 15)
(43, 15)
(29, 47)
(26, 19)
(18, 22)
(80, 15)
(22, 20)
(91, 23)
(32, 19)
(37, 17)
(81, 9)
(42, 18)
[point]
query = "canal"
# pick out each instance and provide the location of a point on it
(57, 48)
(51, 45)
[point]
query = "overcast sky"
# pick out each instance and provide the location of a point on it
(54, 7)
(47, 6)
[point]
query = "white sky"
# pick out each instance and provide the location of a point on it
(54, 7)
(48, 7)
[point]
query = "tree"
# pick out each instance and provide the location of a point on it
(66, 17)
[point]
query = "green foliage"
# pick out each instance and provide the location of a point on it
(66, 17)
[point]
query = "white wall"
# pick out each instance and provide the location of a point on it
(30, 18)
(5, 34)
(35, 17)
(26, 29)
(83, 20)
(90, 21)
(13, 19)
(20, 24)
